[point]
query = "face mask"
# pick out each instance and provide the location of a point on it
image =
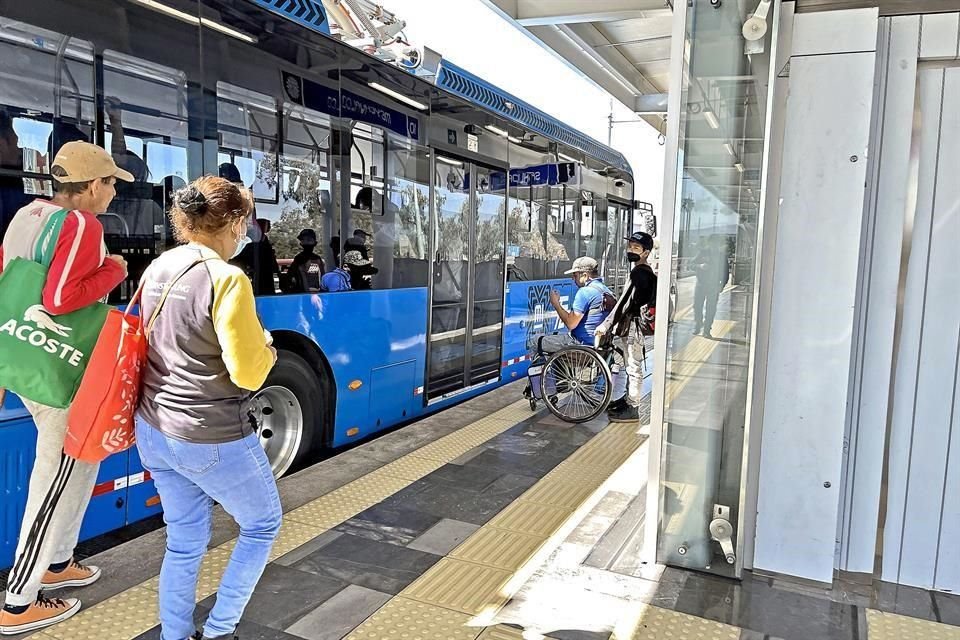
(242, 243)
(633, 257)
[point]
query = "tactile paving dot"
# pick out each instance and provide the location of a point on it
(653, 623)
(409, 620)
(889, 626)
(122, 617)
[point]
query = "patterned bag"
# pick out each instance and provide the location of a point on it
(100, 422)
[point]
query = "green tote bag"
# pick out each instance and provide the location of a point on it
(42, 356)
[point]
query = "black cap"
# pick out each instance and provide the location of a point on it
(229, 172)
(308, 234)
(643, 239)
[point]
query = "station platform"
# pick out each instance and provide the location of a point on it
(488, 521)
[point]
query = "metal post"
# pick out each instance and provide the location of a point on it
(671, 191)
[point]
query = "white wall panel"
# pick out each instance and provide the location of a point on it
(836, 32)
(877, 305)
(941, 32)
(923, 524)
(814, 293)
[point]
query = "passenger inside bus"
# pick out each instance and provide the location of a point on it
(307, 269)
(134, 214)
(343, 277)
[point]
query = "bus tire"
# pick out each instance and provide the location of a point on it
(289, 412)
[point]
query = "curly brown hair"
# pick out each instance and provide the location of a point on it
(206, 206)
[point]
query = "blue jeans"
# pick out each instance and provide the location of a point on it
(189, 477)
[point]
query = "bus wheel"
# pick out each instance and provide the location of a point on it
(287, 410)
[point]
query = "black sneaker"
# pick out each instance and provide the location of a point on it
(625, 414)
(617, 405)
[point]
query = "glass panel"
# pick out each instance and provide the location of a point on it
(562, 231)
(722, 136)
(400, 240)
(448, 336)
(526, 253)
(248, 140)
(488, 287)
(305, 203)
(44, 73)
(147, 133)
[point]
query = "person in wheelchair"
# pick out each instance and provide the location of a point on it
(591, 305)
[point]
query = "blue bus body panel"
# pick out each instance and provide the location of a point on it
(109, 510)
(18, 441)
(365, 335)
(528, 316)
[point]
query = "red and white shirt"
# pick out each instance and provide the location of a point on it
(79, 273)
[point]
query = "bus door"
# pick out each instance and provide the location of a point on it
(466, 287)
(621, 226)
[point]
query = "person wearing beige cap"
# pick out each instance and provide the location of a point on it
(591, 304)
(80, 274)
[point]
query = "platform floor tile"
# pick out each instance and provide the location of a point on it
(402, 618)
(461, 586)
(499, 548)
(530, 518)
(889, 626)
(122, 617)
(653, 623)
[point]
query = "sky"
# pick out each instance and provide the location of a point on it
(473, 36)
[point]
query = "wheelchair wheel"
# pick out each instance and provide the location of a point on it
(576, 384)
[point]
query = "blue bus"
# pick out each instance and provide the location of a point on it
(470, 203)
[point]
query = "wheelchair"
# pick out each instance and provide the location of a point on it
(574, 380)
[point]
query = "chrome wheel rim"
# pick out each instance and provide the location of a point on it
(279, 419)
(576, 385)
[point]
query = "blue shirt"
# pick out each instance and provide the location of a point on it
(589, 302)
(336, 280)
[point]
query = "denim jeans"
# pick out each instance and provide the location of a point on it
(189, 477)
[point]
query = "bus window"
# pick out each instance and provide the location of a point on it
(305, 201)
(587, 219)
(147, 133)
(248, 141)
(400, 236)
(390, 208)
(45, 73)
(561, 232)
(247, 128)
(526, 249)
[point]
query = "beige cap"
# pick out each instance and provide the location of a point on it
(82, 162)
(583, 264)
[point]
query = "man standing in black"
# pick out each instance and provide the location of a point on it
(307, 268)
(627, 320)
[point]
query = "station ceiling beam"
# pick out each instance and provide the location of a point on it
(530, 13)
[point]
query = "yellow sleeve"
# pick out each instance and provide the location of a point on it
(241, 336)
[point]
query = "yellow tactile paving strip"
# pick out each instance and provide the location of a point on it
(405, 619)
(684, 365)
(132, 612)
(652, 623)
(461, 586)
(889, 626)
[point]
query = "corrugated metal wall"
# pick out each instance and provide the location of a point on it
(904, 424)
